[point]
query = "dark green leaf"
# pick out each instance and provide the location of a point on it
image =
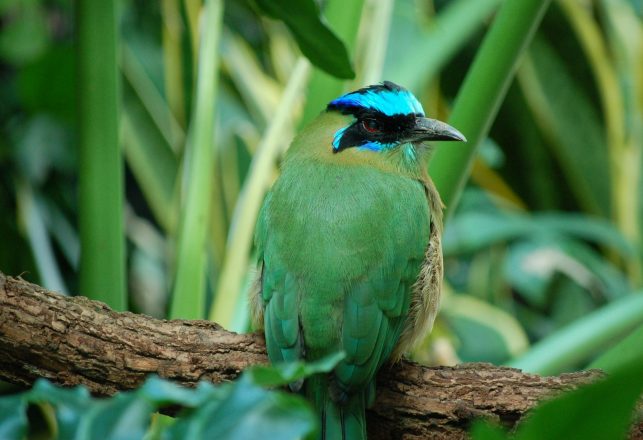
(622, 353)
(284, 374)
(477, 342)
(315, 39)
(123, 417)
(483, 430)
(162, 392)
(589, 228)
(69, 404)
(531, 266)
(524, 274)
(474, 231)
(567, 116)
(244, 411)
(600, 411)
(579, 340)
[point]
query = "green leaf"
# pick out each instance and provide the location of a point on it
(162, 392)
(471, 232)
(612, 282)
(315, 39)
(600, 411)
(69, 404)
(244, 411)
(283, 374)
(485, 333)
(239, 242)
(484, 430)
(561, 107)
(593, 229)
(579, 340)
(124, 417)
(160, 423)
(532, 264)
(13, 417)
(626, 351)
(33, 221)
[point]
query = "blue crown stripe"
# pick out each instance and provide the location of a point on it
(388, 102)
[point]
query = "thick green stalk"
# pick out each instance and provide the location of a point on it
(188, 297)
(483, 91)
(102, 265)
(563, 349)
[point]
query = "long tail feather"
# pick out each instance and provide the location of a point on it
(339, 421)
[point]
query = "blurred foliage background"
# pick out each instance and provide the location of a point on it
(543, 252)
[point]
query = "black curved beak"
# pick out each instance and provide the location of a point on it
(433, 130)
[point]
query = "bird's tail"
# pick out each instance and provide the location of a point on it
(339, 420)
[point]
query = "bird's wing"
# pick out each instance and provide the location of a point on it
(274, 298)
(374, 314)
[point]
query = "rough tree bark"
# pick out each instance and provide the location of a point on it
(73, 340)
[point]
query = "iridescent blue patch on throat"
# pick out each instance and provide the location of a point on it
(375, 146)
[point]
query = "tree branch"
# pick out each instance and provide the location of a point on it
(73, 340)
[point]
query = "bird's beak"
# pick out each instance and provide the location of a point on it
(433, 130)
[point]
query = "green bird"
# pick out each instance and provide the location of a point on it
(349, 249)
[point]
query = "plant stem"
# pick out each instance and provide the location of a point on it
(102, 265)
(188, 296)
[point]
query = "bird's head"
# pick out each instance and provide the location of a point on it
(386, 116)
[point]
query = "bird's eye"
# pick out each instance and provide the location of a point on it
(371, 125)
